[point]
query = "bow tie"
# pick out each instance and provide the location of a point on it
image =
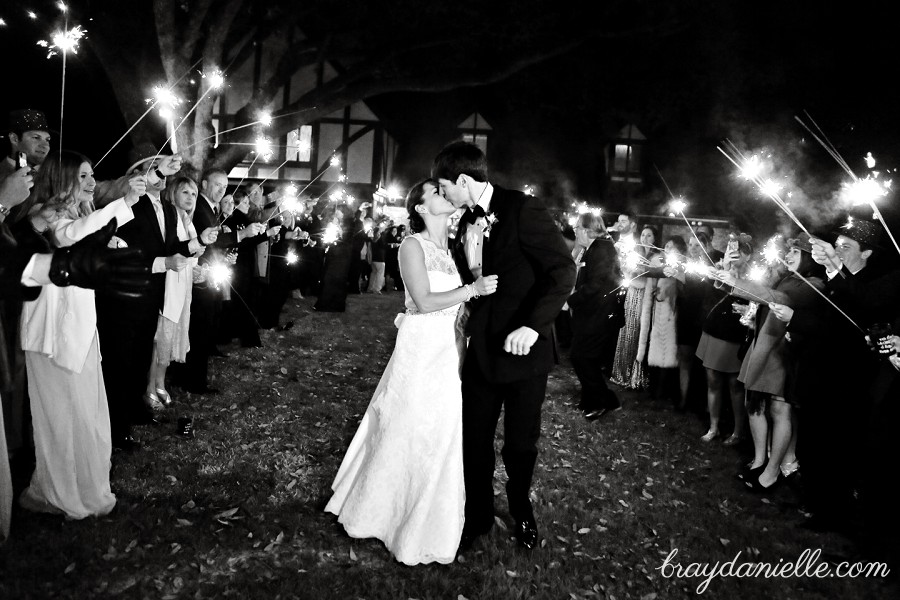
(472, 214)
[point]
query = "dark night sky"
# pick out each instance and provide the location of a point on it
(738, 70)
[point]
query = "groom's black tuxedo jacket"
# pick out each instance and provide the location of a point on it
(527, 252)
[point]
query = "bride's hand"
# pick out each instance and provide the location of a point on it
(486, 286)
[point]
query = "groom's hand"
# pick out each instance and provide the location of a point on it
(520, 341)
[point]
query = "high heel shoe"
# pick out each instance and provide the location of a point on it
(756, 487)
(164, 396)
(749, 473)
(710, 436)
(790, 469)
(152, 401)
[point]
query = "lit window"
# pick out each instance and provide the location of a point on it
(627, 159)
(479, 139)
(299, 144)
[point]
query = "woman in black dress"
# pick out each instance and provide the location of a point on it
(338, 254)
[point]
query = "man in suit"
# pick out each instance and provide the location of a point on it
(127, 328)
(511, 339)
(594, 303)
(206, 301)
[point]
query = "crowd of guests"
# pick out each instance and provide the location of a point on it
(800, 333)
(153, 271)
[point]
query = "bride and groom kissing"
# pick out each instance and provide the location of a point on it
(477, 337)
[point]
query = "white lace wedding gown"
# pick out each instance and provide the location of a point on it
(401, 480)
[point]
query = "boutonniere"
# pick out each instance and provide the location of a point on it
(490, 219)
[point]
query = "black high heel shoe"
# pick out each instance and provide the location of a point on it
(757, 488)
(749, 473)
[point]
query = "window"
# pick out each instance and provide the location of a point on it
(299, 144)
(479, 139)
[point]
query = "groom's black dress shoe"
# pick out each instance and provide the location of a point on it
(526, 534)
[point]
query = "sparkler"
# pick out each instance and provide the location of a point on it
(772, 254)
(219, 274)
(216, 80)
(291, 257)
(751, 170)
(625, 283)
(868, 197)
(161, 95)
(678, 205)
(332, 234)
(63, 42)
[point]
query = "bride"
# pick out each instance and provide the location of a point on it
(401, 480)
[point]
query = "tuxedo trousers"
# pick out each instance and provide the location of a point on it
(126, 331)
(206, 310)
(483, 400)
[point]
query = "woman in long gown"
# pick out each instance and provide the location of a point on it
(628, 368)
(70, 415)
(401, 480)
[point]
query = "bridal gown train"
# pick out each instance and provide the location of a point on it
(401, 480)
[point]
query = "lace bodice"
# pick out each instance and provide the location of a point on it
(442, 274)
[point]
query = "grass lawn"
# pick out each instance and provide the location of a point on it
(237, 511)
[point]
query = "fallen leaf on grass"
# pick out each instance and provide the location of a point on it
(512, 573)
(70, 568)
(226, 514)
(724, 542)
(352, 554)
(584, 530)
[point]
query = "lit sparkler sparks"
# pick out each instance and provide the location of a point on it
(291, 257)
(696, 267)
(865, 191)
(757, 273)
(832, 150)
(264, 118)
(332, 234)
(215, 79)
(672, 259)
(751, 169)
(64, 41)
(772, 252)
(335, 161)
(263, 148)
(219, 274)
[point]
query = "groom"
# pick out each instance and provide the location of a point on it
(511, 339)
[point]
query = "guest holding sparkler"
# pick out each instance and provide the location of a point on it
(694, 303)
(171, 342)
(719, 348)
(70, 414)
(863, 406)
(763, 369)
(338, 255)
(127, 329)
(628, 367)
(206, 297)
(592, 302)
(662, 354)
(240, 321)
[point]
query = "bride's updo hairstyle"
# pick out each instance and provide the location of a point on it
(413, 199)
